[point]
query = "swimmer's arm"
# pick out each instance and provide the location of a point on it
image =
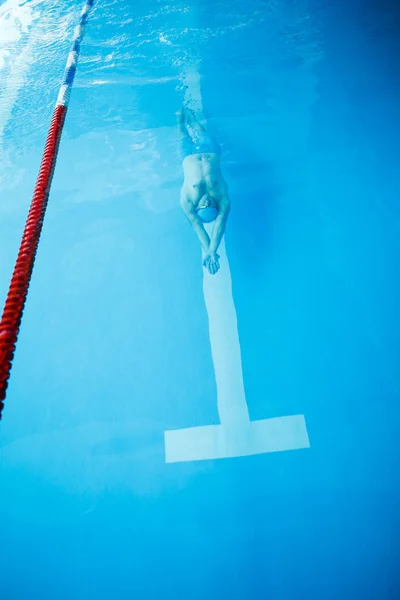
(196, 223)
(219, 225)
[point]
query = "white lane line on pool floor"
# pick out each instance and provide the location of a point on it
(236, 435)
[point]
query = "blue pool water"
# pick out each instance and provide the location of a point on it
(115, 347)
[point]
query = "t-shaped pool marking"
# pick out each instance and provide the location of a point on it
(236, 435)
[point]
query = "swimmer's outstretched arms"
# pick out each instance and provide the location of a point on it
(204, 194)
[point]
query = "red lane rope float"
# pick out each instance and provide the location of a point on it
(18, 290)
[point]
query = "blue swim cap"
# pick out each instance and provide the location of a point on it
(208, 215)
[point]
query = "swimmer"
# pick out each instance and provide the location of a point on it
(204, 194)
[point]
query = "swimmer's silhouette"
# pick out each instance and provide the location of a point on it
(204, 194)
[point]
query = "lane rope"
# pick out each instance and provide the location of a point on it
(19, 285)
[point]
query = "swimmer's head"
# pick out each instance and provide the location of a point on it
(207, 209)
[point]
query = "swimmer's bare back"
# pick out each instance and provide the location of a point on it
(202, 175)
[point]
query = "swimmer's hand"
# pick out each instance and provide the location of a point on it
(211, 263)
